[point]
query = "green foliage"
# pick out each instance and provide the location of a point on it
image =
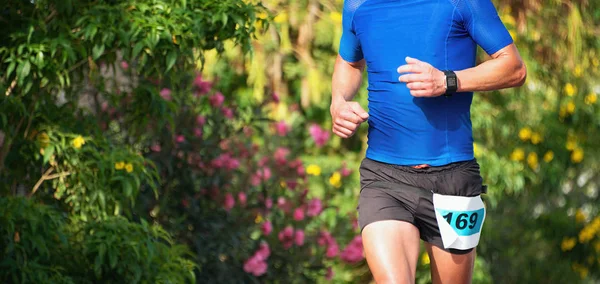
(40, 245)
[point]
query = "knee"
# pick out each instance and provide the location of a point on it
(394, 279)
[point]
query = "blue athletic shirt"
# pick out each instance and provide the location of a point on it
(405, 130)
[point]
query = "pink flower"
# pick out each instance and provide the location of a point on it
(345, 171)
(299, 238)
(263, 161)
(275, 98)
(269, 203)
(200, 120)
(225, 161)
(257, 263)
(263, 251)
(242, 198)
(329, 274)
(202, 86)
(180, 139)
(282, 128)
(314, 207)
(281, 154)
(264, 173)
(324, 239)
(255, 266)
(155, 147)
(286, 236)
(283, 204)
(227, 112)
(198, 132)
(301, 171)
(332, 250)
(299, 214)
(217, 99)
(166, 94)
(319, 135)
(229, 201)
(124, 65)
(354, 251)
(266, 228)
(292, 184)
(255, 179)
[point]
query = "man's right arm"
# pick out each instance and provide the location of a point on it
(346, 114)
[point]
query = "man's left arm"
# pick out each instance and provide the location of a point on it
(505, 69)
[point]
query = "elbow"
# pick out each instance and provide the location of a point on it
(520, 75)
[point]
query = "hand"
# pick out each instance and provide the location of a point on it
(424, 80)
(347, 117)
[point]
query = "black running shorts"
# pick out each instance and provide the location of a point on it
(392, 192)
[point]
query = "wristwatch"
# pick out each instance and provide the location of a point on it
(451, 83)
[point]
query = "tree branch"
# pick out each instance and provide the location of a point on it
(47, 176)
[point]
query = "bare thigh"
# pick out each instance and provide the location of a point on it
(450, 268)
(392, 250)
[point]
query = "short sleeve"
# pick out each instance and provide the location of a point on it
(350, 49)
(482, 22)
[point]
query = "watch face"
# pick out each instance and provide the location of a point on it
(451, 81)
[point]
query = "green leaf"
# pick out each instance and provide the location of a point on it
(97, 51)
(137, 48)
(23, 71)
(171, 58)
(112, 258)
(48, 152)
(11, 68)
(40, 59)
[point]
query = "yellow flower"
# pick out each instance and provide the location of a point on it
(568, 244)
(78, 142)
(577, 71)
(595, 62)
(43, 139)
(336, 179)
(549, 156)
(513, 34)
(336, 17)
(262, 15)
(570, 107)
(571, 143)
(425, 259)
(525, 133)
(577, 155)
(579, 216)
(586, 234)
(532, 160)
(476, 150)
(313, 170)
(581, 270)
(281, 18)
(119, 165)
(517, 155)
(129, 167)
(536, 138)
(258, 219)
(570, 89)
(282, 184)
(591, 99)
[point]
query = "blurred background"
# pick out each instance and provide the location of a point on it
(180, 141)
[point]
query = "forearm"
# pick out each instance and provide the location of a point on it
(346, 80)
(504, 70)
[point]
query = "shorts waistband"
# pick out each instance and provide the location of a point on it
(433, 170)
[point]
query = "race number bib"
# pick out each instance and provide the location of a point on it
(460, 220)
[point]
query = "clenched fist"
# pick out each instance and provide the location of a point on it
(347, 117)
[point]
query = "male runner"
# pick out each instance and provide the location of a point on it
(419, 178)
